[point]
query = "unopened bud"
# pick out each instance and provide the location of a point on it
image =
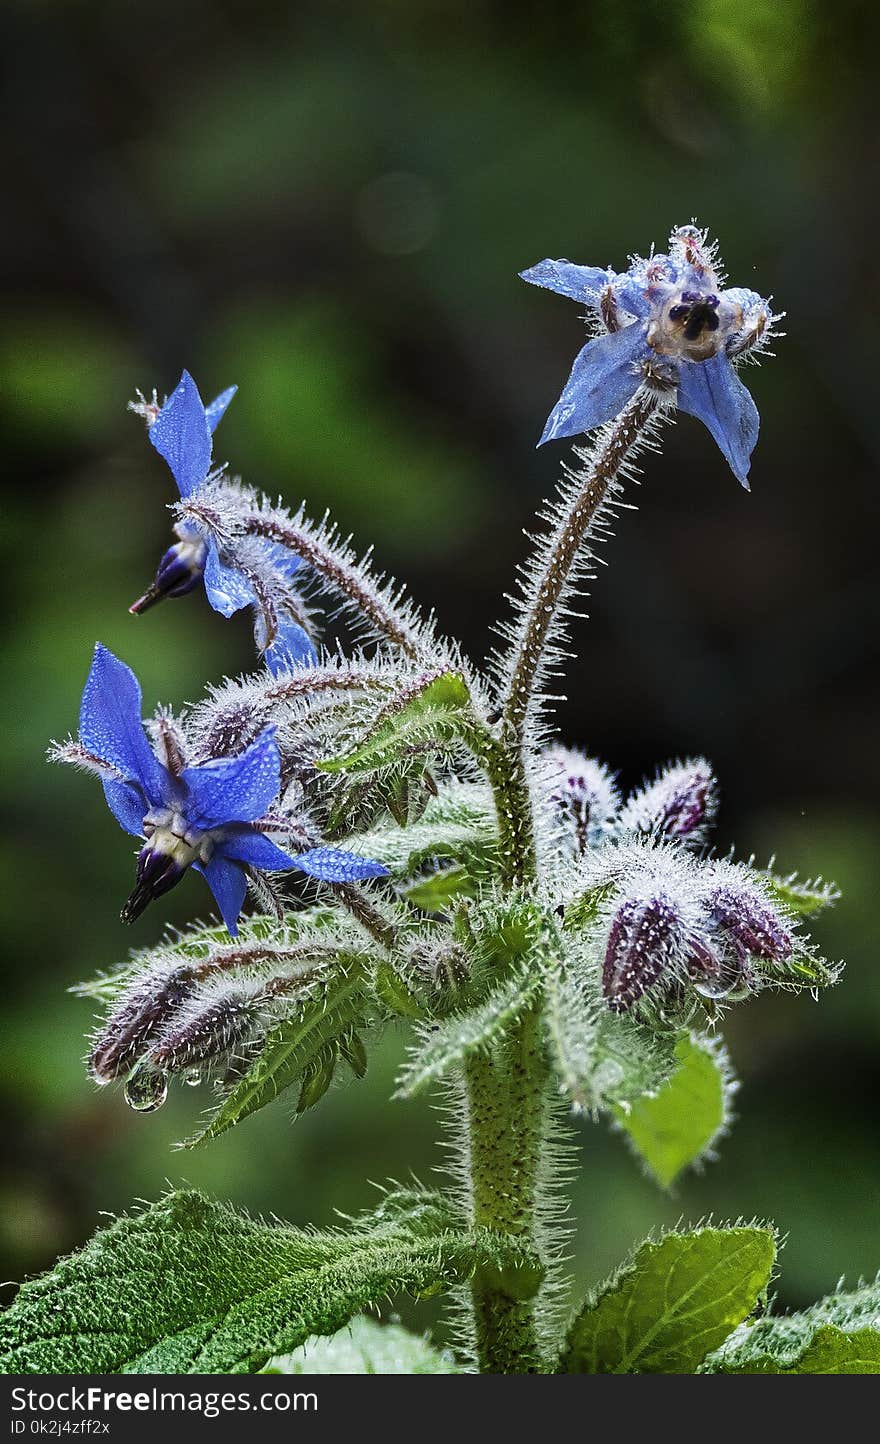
(128, 1030)
(205, 1033)
(752, 923)
(678, 805)
(644, 943)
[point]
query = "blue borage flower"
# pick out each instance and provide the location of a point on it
(665, 320)
(251, 574)
(207, 816)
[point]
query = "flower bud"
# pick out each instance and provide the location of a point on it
(582, 792)
(128, 1030)
(678, 805)
(751, 923)
(206, 1032)
(644, 943)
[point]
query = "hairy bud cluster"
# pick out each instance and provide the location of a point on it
(702, 925)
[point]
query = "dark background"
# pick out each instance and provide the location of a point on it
(329, 205)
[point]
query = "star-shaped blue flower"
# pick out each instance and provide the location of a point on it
(182, 434)
(665, 319)
(205, 816)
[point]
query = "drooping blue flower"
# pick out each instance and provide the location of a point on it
(181, 432)
(666, 320)
(205, 816)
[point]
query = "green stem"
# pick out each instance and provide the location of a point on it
(508, 1098)
(513, 807)
(507, 1115)
(546, 594)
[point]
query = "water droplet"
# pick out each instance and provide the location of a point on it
(732, 989)
(146, 1090)
(192, 1077)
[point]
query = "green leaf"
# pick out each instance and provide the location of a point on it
(680, 1123)
(297, 1047)
(392, 990)
(191, 1287)
(443, 1048)
(430, 714)
(839, 1335)
(600, 1059)
(674, 1303)
(365, 1347)
(434, 894)
(582, 911)
(459, 825)
(803, 899)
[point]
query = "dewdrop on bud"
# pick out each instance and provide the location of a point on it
(146, 1089)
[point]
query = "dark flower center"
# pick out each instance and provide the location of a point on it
(698, 312)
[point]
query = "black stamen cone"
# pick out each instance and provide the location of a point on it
(158, 872)
(151, 596)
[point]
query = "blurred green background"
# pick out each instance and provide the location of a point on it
(329, 204)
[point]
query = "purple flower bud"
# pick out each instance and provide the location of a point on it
(645, 941)
(751, 923)
(206, 1032)
(181, 568)
(130, 1027)
(584, 795)
(679, 804)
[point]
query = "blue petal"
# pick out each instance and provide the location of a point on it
(712, 391)
(333, 864)
(580, 283)
(110, 725)
(292, 647)
(234, 789)
(244, 845)
(603, 379)
(226, 589)
(215, 409)
(286, 561)
(228, 883)
(181, 435)
(127, 803)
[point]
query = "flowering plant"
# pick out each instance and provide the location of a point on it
(557, 951)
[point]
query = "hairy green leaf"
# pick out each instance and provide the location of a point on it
(838, 1335)
(430, 714)
(297, 1047)
(459, 826)
(445, 1047)
(803, 899)
(674, 1303)
(191, 1287)
(365, 1347)
(433, 894)
(680, 1123)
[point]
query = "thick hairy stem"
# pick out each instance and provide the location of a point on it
(507, 1118)
(513, 807)
(345, 577)
(546, 593)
